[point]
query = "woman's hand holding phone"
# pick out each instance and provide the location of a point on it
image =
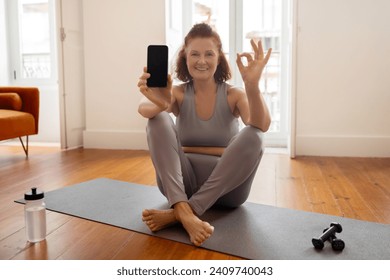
(160, 96)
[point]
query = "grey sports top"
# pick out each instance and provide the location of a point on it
(214, 132)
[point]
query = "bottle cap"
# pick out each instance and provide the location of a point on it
(34, 195)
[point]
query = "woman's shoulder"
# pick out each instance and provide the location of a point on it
(178, 92)
(234, 96)
(235, 92)
(179, 89)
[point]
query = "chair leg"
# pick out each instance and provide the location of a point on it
(25, 148)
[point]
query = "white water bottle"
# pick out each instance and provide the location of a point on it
(35, 215)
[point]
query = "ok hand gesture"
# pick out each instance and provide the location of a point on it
(251, 73)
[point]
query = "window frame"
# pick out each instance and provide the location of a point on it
(14, 47)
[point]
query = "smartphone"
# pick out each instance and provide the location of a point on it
(157, 66)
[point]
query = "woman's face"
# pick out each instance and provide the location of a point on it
(202, 58)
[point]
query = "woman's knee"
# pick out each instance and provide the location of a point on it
(160, 124)
(161, 119)
(251, 140)
(253, 135)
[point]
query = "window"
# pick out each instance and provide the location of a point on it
(238, 21)
(32, 43)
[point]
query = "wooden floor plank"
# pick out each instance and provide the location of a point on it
(290, 186)
(318, 192)
(351, 203)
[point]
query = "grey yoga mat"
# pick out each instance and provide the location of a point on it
(252, 231)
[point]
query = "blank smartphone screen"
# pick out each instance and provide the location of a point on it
(157, 66)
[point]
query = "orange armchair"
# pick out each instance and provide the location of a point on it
(19, 113)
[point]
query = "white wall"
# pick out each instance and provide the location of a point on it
(3, 46)
(343, 83)
(116, 35)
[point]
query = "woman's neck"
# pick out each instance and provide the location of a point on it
(209, 86)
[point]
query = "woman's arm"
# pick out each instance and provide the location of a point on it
(251, 106)
(253, 109)
(148, 109)
(155, 100)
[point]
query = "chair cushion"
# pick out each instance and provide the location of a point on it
(15, 124)
(10, 101)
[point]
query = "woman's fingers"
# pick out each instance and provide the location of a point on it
(255, 48)
(239, 60)
(259, 56)
(144, 90)
(259, 51)
(143, 78)
(248, 57)
(267, 56)
(169, 81)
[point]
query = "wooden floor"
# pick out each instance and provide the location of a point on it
(356, 188)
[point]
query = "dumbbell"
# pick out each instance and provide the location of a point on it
(318, 243)
(337, 244)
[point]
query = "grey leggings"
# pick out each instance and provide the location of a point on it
(203, 180)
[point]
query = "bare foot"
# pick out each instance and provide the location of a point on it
(158, 219)
(198, 230)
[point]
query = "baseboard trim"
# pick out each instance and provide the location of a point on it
(343, 146)
(116, 140)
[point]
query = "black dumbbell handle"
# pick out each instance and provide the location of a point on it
(318, 243)
(328, 233)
